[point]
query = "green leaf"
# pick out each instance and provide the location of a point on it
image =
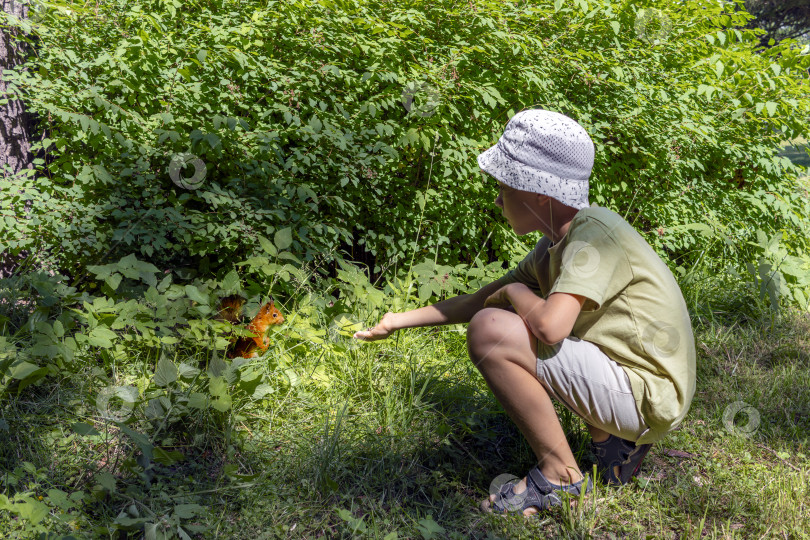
(798, 295)
(194, 294)
(60, 499)
(217, 386)
(429, 528)
(32, 510)
(186, 371)
(262, 390)
(292, 376)
(85, 429)
(222, 403)
(127, 521)
(212, 140)
(188, 511)
(198, 400)
(283, 238)
(217, 366)
(23, 370)
(557, 5)
(165, 372)
(268, 246)
(101, 271)
(107, 481)
(167, 458)
(425, 292)
(113, 280)
(101, 336)
(771, 108)
(613, 24)
(140, 439)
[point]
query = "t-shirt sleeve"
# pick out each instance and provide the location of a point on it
(593, 265)
(526, 270)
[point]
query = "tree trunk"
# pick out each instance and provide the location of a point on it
(16, 124)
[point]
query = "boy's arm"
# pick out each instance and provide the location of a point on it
(459, 309)
(549, 320)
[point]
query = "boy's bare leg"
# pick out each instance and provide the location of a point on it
(601, 436)
(503, 350)
(597, 434)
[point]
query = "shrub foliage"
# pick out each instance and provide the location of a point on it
(356, 125)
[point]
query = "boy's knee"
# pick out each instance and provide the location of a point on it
(487, 330)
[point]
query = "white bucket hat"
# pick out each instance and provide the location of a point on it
(543, 152)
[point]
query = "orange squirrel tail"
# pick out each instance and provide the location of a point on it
(244, 347)
(230, 307)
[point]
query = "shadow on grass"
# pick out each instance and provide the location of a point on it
(435, 472)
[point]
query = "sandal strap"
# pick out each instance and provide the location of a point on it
(539, 493)
(618, 452)
(506, 500)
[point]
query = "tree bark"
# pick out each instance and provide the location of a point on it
(15, 122)
(16, 125)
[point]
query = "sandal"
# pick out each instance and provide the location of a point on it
(539, 493)
(615, 451)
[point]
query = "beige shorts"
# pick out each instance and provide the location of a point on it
(594, 387)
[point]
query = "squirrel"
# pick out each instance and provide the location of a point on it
(230, 309)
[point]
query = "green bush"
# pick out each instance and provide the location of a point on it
(297, 113)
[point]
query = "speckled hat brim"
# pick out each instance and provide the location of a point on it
(543, 152)
(514, 174)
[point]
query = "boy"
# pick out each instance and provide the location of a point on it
(591, 317)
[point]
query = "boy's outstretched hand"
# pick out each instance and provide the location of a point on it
(383, 329)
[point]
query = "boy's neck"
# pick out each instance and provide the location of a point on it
(560, 220)
(560, 233)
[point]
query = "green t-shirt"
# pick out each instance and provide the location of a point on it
(634, 310)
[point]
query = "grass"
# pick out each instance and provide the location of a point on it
(401, 439)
